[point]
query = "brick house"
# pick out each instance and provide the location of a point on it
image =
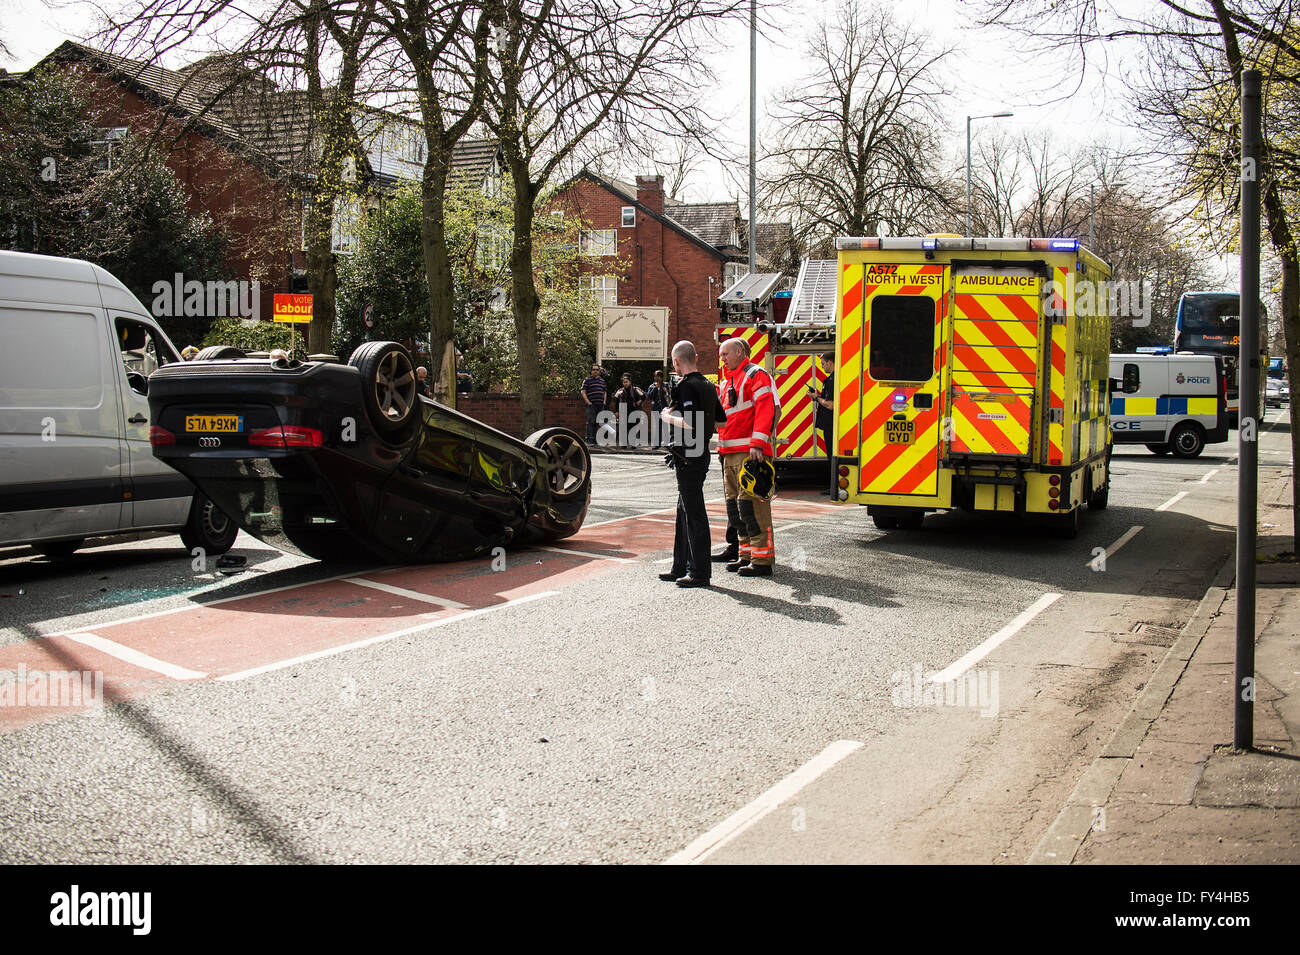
(243, 150)
(650, 249)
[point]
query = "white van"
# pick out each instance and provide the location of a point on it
(1180, 404)
(76, 352)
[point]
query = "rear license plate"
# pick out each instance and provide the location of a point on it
(899, 432)
(214, 424)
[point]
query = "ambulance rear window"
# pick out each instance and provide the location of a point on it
(902, 338)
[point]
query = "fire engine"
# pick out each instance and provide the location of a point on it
(972, 373)
(786, 331)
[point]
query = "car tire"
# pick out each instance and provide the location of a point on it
(911, 520)
(388, 387)
(569, 458)
(886, 522)
(208, 528)
(219, 353)
(59, 550)
(1187, 440)
(1161, 449)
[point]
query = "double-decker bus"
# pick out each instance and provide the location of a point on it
(1209, 323)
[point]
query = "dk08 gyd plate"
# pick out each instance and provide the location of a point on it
(899, 432)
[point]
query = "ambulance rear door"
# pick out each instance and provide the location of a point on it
(996, 335)
(902, 308)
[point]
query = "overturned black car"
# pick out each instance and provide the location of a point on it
(349, 463)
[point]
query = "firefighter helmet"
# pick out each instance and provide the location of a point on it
(758, 478)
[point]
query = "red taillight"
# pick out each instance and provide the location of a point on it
(286, 436)
(1054, 480)
(160, 436)
(1054, 505)
(844, 470)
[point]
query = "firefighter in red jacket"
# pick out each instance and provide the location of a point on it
(749, 397)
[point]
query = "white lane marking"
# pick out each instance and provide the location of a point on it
(133, 657)
(954, 670)
(656, 520)
(786, 527)
(1205, 478)
(212, 603)
(742, 819)
(403, 592)
(629, 517)
(585, 553)
(381, 638)
(1124, 538)
(1172, 501)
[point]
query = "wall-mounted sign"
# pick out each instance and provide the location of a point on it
(633, 332)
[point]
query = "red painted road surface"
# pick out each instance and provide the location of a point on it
(227, 638)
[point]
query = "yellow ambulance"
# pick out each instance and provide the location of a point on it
(972, 373)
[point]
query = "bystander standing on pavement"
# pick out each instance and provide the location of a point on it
(630, 401)
(593, 394)
(422, 385)
(464, 383)
(696, 411)
(659, 398)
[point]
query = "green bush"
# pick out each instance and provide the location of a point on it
(250, 336)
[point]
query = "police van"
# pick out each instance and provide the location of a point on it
(1180, 403)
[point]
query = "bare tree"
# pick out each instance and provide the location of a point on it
(1189, 103)
(445, 47)
(565, 69)
(854, 139)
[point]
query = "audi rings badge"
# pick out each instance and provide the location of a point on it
(209, 442)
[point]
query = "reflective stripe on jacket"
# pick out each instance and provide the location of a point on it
(751, 421)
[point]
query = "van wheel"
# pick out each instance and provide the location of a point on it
(388, 386)
(208, 528)
(1101, 498)
(911, 521)
(1065, 526)
(59, 550)
(1187, 440)
(886, 522)
(1161, 449)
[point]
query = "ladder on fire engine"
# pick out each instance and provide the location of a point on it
(814, 293)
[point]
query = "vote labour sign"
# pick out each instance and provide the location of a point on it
(295, 309)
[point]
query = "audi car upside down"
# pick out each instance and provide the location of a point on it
(348, 463)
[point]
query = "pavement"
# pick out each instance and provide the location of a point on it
(1169, 788)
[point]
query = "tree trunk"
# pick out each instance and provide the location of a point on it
(1283, 241)
(437, 269)
(525, 301)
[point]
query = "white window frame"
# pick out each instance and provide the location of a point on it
(102, 144)
(348, 212)
(598, 242)
(733, 272)
(629, 217)
(603, 287)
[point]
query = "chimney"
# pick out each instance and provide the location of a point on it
(650, 192)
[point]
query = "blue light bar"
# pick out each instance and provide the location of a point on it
(1065, 245)
(929, 245)
(1155, 349)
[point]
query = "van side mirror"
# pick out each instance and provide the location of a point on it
(1132, 378)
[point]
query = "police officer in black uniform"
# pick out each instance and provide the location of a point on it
(695, 406)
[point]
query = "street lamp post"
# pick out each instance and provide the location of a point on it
(968, 122)
(1092, 210)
